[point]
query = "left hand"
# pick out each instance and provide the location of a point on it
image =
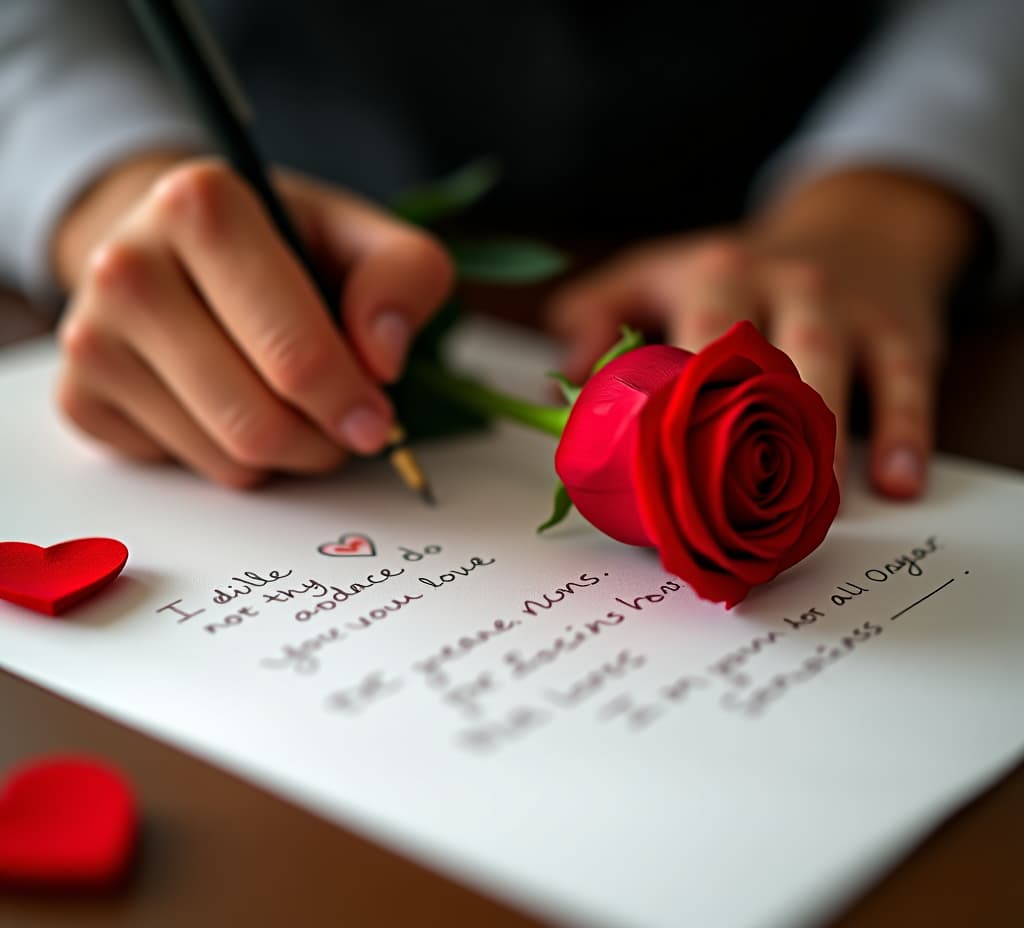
(848, 274)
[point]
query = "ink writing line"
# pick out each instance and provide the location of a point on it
(918, 602)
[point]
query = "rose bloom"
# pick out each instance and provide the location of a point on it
(722, 460)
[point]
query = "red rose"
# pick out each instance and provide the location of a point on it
(722, 460)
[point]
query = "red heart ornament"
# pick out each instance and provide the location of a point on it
(352, 544)
(65, 822)
(52, 579)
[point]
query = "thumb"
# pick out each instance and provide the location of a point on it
(391, 291)
(395, 275)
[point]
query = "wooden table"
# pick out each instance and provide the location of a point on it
(219, 851)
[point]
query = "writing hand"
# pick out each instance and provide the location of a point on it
(194, 332)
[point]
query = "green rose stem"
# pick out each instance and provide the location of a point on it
(551, 419)
(478, 398)
(492, 404)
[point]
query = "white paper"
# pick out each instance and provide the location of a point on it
(672, 764)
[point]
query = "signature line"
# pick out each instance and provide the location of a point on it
(918, 602)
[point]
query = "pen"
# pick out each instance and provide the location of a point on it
(189, 52)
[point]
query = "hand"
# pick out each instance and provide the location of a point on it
(849, 274)
(194, 332)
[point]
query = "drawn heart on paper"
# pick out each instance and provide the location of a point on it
(65, 822)
(52, 579)
(351, 544)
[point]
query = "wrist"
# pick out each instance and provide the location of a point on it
(100, 207)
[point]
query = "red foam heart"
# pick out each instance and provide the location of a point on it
(353, 544)
(52, 579)
(65, 822)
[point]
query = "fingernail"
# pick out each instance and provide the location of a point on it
(391, 333)
(365, 430)
(903, 470)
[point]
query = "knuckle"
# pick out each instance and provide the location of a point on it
(118, 267)
(81, 342)
(195, 195)
(907, 366)
(895, 333)
(811, 336)
(915, 352)
(804, 279)
(905, 356)
(296, 368)
(257, 437)
(719, 257)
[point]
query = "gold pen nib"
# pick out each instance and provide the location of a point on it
(407, 467)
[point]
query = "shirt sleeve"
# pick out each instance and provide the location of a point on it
(78, 92)
(939, 92)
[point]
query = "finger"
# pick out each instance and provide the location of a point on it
(588, 313)
(805, 325)
(162, 320)
(108, 371)
(104, 423)
(396, 276)
(712, 288)
(901, 380)
(588, 326)
(266, 301)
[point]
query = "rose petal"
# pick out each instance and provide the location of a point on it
(733, 467)
(791, 484)
(652, 481)
(768, 539)
(816, 528)
(711, 448)
(818, 428)
(595, 454)
(751, 556)
(770, 400)
(716, 364)
(748, 472)
(818, 433)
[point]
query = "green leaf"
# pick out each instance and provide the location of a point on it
(569, 390)
(426, 203)
(630, 339)
(474, 396)
(560, 510)
(425, 411)
(430, 341)
(506, 261)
